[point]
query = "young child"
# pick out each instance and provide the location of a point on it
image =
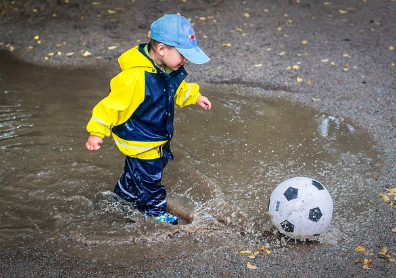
(139, 110)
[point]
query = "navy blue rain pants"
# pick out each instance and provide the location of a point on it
(141, 185)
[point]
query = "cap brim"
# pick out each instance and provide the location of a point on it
(194, 55)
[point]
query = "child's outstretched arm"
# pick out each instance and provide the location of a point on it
(93, 143)
(204, 102)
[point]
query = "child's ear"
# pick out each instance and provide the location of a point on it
(161, 49)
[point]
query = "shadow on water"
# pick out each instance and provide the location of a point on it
(57, 195)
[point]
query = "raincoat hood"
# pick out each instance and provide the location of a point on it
(134, 58)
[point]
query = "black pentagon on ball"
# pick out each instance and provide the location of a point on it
(287, 226)
(315, 214)
(291, 193)
(317, 184)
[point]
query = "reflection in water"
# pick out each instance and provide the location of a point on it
(227, 162)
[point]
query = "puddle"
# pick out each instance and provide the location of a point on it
(56, 194)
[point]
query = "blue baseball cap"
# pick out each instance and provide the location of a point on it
(175, 30)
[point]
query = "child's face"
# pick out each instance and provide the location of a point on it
(173, 59)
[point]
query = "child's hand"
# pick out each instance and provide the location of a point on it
(93, 143)
(204, 102)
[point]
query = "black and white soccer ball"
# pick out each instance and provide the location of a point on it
(301, 207)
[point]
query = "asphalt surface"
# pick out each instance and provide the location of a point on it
(337, 57)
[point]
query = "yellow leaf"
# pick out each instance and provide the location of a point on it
(304, 42)
(239, 29)
(346, 55)
(202, 18)
(288, 68)
(384, 250)
(392, 190)
(258, 65)
(251, 266)
(394, 230)
(391, 48)
(245, 252)
(325, 60)
(316, 99)
(36, 37)
(392, 260)
(282, 53)
(266, 10)
(360, 248)
(367, 262)
(393, 64)
(295, 67)
(112, 47)
(327, 3)
(12, 48)
(365, 267)
(111, 11)
(251, 257)
(51, 54)
(386, 198)
(86, 53)
(342, 11)
(332, 63)
(246, 15)
(226, 44)
(59, 53)
(95, 3)
(299, 79)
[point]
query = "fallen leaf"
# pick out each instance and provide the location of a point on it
(282, 53)
(51, 54)
(111, 11)
(392, 190)
(36, 37)
(386, 198)
(325, 60)
(394, 230)
(266, 10)
(295, 67)
(251, 257)
(112, 47)
(258, 65)
(251, 266)
(391, 48)
(383, 251)
(342, 11)
(346, 55)
(226, 44)
(246, 15)
(316, 99)
(95, 3)
(304, 42)
(245, 252)
(327, 3)
(360, 249)
(86, 53)
(299, 79)
(69, 53)
(202, 18)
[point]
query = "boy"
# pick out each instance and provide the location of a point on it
(139, 110)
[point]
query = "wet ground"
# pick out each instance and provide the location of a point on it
(58, 211)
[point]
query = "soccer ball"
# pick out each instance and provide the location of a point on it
(300, 208)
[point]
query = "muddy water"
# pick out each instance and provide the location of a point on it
(56, 195)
